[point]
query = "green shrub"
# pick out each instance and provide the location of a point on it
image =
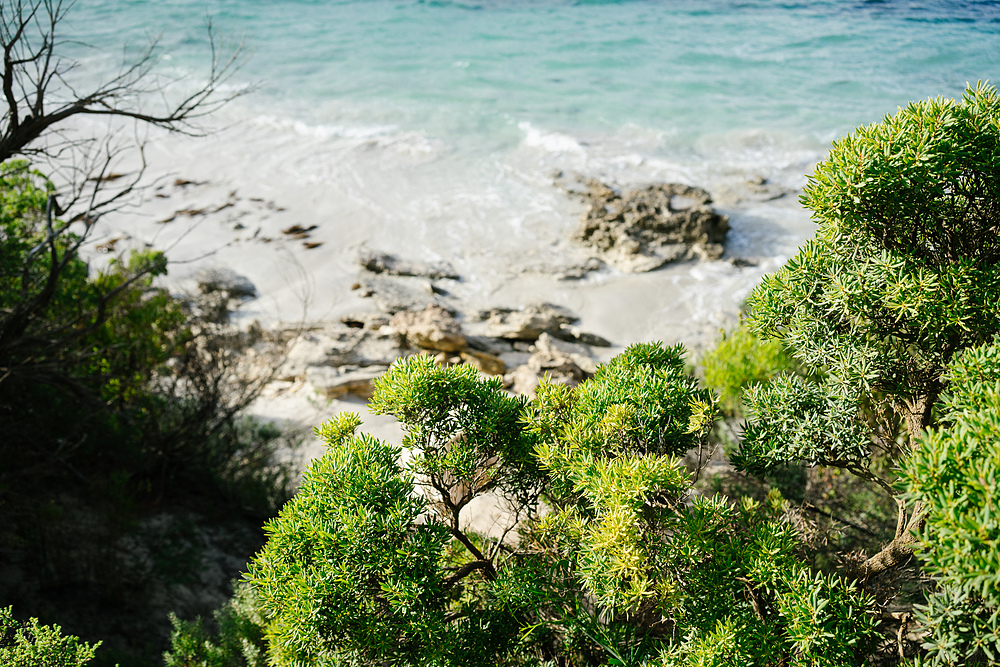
(900, 283)
(954, 474)
(236, 642)
(34, 645)
(614, 561)
(738, 360)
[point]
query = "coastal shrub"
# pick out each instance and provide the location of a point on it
(739, 359)
(32, 644)
(604, 556)
(900, 283)
(234, 638)
(953, 474)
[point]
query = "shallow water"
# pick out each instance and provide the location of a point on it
(432, 129)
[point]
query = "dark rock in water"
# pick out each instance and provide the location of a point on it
(381, 262)
(643, 229)
(228, 281)
(741, 262)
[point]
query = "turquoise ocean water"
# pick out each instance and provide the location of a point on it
(470, 72)
(433, 128)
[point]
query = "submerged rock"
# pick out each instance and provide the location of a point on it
(643, 229)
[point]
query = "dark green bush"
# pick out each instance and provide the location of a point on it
(120, 417)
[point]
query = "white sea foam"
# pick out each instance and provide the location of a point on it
(553, 142)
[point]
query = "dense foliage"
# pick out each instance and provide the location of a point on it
(119, 408)
(954, 473)
(32, 644)
(739, 359)
(614, 561)
(609, 555)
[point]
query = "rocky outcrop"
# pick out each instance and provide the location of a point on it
(643, 229)
(562, 362)
(337, 382)
(335, 346)
(432, 328)
(533, 320)
(528, 323)
(226, 281)
(346, 358)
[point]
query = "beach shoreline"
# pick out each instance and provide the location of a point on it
(228, 202)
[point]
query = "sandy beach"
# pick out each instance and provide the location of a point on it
(229, 200)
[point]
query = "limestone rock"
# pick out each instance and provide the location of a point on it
(485, 362)
(642, 229)
(335, 383)
(515, 359)
(528, 323)
(495, 346)
(562, 362)
(522, 380)
(550, 348)
(341, 346)
(579, 271)
(576, 335)
(432, 328)
(381, 262)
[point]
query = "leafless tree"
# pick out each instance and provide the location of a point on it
(41, 97)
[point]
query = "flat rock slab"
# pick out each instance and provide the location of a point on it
(394, 294)
(528, 323)
(432, 328)
(341, 346)
(383, 262)
(337, 382)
